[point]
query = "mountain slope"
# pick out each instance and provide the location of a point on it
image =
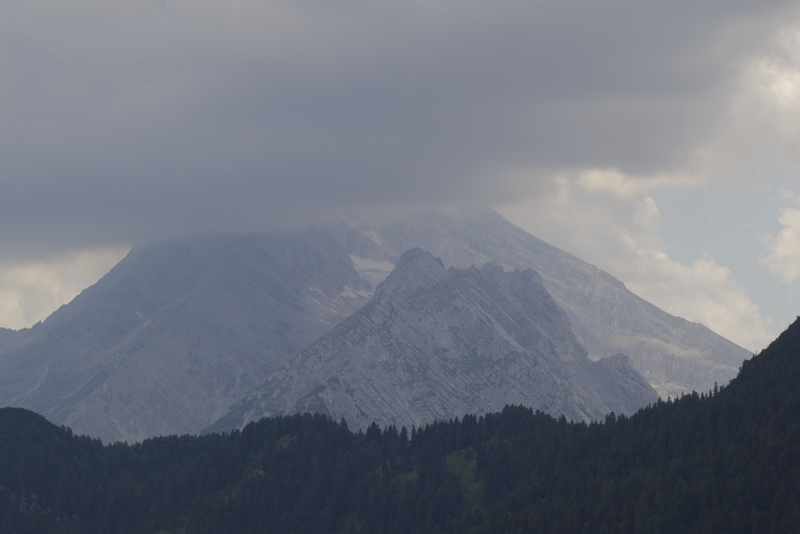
(177, 332)
(676, 356)
(435, 343)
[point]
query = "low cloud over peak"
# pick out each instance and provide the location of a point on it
(128, 121)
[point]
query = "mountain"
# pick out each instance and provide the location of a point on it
(177, 332)
(675, 355)
(436, 342)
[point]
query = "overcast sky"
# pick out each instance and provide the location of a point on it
(658, 141)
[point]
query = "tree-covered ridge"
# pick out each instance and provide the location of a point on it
(726, 461)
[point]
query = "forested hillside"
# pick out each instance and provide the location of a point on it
(720, 461)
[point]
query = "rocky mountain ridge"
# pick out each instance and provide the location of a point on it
(675, 355)
(434, 343)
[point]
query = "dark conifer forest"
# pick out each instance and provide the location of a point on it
(718, 461)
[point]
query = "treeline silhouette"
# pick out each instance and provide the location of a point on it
(723, 461)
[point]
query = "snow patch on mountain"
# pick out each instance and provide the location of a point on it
(351, 293)
(375, 237)
(370, 271)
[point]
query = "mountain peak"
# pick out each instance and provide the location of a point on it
(675, 355)
(420, 263)
(436, 343)
(416, 270)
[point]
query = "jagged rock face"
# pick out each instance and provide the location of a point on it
(435, 343)
(674, 355)
(177, 332)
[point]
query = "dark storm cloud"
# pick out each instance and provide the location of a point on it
(129, 121)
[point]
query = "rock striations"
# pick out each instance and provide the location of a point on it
(675, 355)
(434, 343)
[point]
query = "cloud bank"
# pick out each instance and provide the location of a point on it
(611, 221)
(30, 291)
(129, 121)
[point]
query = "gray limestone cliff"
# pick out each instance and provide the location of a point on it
(435, 343)
(675, 355)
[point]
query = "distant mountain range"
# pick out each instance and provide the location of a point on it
(178, 333)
